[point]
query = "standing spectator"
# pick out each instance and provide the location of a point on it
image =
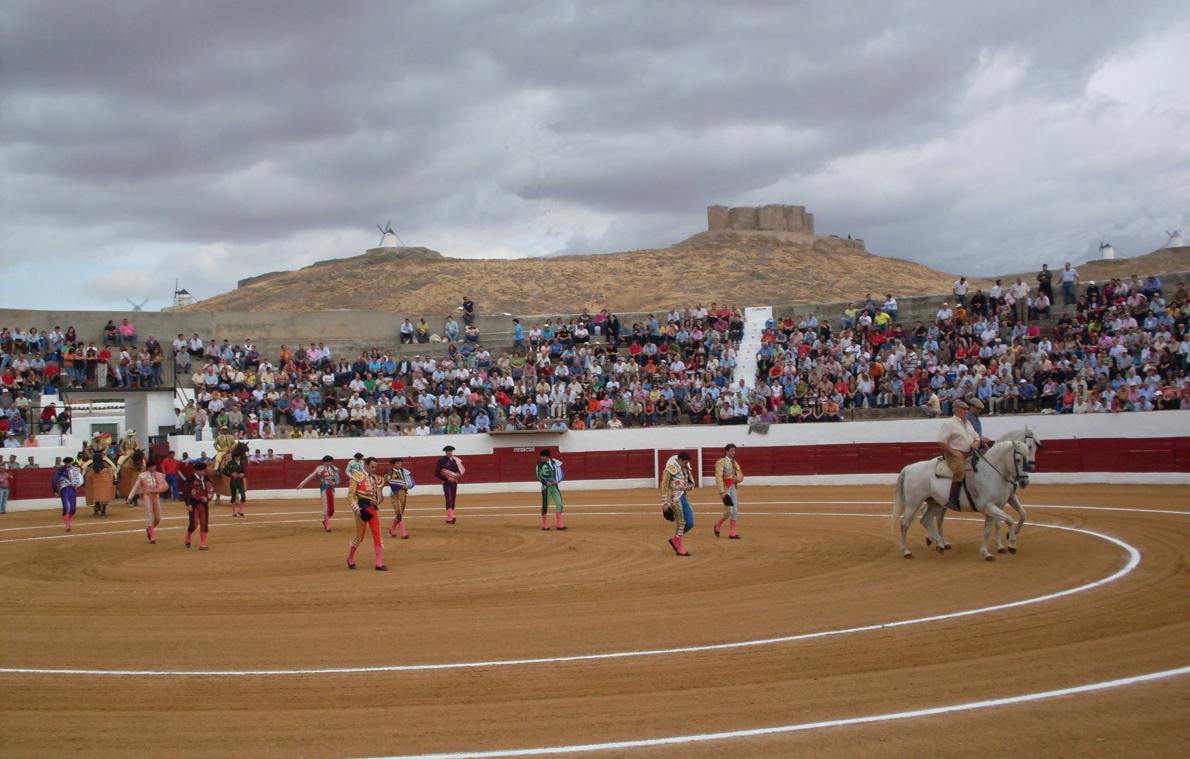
(468, 310)
(1069, 279)
(518, 335)
(103, 360)
(1045, 279)
(1020, 294)
(185, 476)
(200, 423)
(169, 468)
(960, 288)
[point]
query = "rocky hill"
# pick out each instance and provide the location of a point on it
(737, 267)
(731, 266)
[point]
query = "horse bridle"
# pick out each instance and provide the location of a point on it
(1030, 466)
(1018, 479)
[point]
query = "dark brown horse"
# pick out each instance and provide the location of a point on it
(130, 468)
(222, 483)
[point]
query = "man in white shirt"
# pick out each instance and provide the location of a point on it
(1069, 279)
(1020, 293)
(960, 288)
(957, 438)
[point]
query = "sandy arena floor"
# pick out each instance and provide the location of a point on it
(273, 593)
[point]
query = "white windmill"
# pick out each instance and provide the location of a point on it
(182, 296)
(1175, 239)
(389, 238)
(1106, 251)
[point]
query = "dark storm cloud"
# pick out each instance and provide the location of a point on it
(281, 131)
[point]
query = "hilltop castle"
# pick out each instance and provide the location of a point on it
(771, 218)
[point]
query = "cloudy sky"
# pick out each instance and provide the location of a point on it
(142, 142)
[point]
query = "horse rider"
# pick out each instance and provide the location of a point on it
(973, 415)
(224, 442)
(98, 449)
(957, 439)
(129, 444)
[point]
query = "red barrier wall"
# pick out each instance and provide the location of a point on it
(517, 464)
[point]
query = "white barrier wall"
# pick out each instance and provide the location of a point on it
(1138, 425)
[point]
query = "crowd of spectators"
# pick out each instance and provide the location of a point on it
(35, 361)
(1124, 348)
(586, 372)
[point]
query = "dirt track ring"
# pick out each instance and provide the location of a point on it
(1134, 558)
(540, 669)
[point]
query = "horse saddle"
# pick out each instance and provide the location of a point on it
(942, 469)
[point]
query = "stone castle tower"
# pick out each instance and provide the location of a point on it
(772, 218)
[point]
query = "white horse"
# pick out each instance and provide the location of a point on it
(1001, 471)
(1030, 439)
(1012, 531)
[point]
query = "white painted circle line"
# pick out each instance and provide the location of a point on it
(992, 703)
(1129, 566)
(316, 516)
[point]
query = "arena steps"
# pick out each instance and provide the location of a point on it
(755, 318)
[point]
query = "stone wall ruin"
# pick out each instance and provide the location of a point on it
(775, 218)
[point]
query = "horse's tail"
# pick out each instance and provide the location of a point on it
(899, 499)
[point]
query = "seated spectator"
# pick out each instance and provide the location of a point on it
(111, 333)
(126, 332)
(1041, 306)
